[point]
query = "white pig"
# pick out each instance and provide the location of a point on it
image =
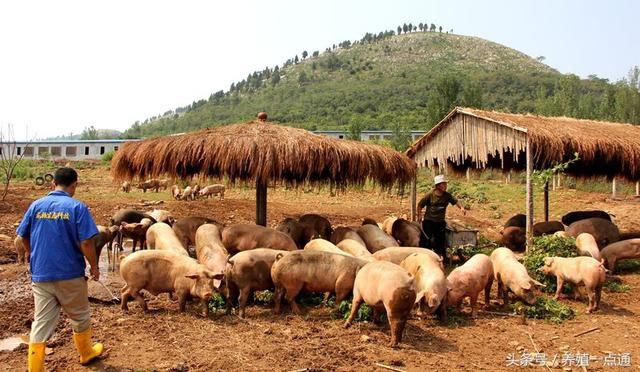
(512, 276)
(587, 246)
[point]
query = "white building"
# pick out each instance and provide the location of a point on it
(370, 135)
(63, 149)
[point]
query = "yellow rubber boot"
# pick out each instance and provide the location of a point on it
(36, 357)
(87, 351)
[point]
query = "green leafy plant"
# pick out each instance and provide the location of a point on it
(365, 312)
(107, 156)
(545, 308)
(217, 302)
(548, 246)
(616, 287)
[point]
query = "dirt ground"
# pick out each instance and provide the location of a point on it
(166, 340)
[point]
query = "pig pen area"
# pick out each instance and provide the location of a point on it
(167, 340)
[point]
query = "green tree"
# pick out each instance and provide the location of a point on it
(440, 29)
(399, 30)
(433, 27)
(275, 77)
(400, 136)
(443, 98)
(410, 27)
(354, 130)
(472, 94)
(316, 53)
(89, 133)
(404, 28)
(304, 54)
(420, 26)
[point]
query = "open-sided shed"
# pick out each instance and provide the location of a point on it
(469, 137)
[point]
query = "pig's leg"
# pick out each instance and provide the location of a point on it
(396, 323)
(474, 304)
(593, 302)
(559, 284)
(279, 293)
(182, 301)
(125, 296)
(242, 300)
(343, 289)
(487, 293)
(442, 312)
(231, 293)
(598, 295)
(290, 294)
(135, 293)
(355, 306)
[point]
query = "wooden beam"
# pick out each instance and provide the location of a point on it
(613, 188)
(546, 201)
(529, 202)
(261, 203)
(413, 197)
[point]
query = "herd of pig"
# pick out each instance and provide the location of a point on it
(188, 193)
(379, 264)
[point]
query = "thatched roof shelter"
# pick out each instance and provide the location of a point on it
(469, 137)
(261, 152)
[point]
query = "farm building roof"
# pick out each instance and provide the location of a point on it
(478, 138)
(262, 151)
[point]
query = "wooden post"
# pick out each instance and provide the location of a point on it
(261, 203)
(613, 188)
(559, 180)
(468, 174)
(413, 197)
(637, 189)
(553, 183)
(529, 206)
(546, 201)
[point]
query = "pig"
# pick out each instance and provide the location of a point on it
(247, 272)
(518, 220)
(21, 250)
(238, 238)
(151, 184)
(161, 215)
(316, 226)
(196, 191)
(514, 238)
(512, 276)
(572, 217)
(209, 250)
(185, 228)
(587, 246)
(355, 246)
(387, 225)
(407, 233)
(212, 190)
(469, 280)
(126, 186)
(622, 250)
(129, 216)
(295, 230)
(579, 271)
(397, 254)
(338, 234)
(164, 184)
(385, 287)
(165, 272)
(604, 231)
(175, 192)
(106, 236)
(429, 282)
(547, 228)
(137, 232)
(375, 239)
(313, 271)
(187, 193)
(369, 221)
(325, 246)
(161, 236)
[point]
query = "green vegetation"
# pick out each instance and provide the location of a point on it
(545, 308)
(107, 156)
(401, 82)
(616, 287)
(627, 266)
(548, 246)
(365, 312)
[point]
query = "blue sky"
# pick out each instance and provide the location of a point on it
(69, 64)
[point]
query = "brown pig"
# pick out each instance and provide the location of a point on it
(376, 239)
(579, 271)
(152, 184)
(604, 231)
(325, 246)
(21, 250)
(587, 246)
(137, 232)
(429, 282)
(385, 287)
(338, 234)
(316, 226)
(514, 238)
(387, 224)
(247, 272)
(106, 236)
(209, 250)
(512, 276)
(313, 271)
(165, 272)
(397, 254)
(407, 233)
(469, 280)
(547, 228)
(161, 236)
(185, 228)
(238, 238)
(622, 250)
(212, 190)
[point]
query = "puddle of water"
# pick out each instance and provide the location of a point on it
(12, 343)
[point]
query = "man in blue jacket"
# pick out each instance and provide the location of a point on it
(58, 230)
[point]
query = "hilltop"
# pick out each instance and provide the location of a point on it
(397, 82)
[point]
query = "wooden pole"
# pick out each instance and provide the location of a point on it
(468, 174)
(413, 197)
(529, 206)
(261, 203)
(637, 188)
(613, 188)
(546, 201)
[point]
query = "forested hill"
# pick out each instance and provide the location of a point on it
(401, 82)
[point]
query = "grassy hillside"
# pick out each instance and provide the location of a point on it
(398, 82)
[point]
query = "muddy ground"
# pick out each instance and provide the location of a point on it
(167, 340)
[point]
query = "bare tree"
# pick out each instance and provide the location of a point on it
(9, 157)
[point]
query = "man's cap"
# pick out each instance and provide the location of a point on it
(439, 179)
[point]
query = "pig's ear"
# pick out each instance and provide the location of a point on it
(192, 276)
(535, 282)
(548, 261)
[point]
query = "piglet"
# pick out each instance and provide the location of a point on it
(579, 271)
(469, 280)
(384, 286)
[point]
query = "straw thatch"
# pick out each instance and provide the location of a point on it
(261, 152)
(470, 137)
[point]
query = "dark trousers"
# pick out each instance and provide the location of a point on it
(435, 231)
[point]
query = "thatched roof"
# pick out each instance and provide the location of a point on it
(480, 138)
(261, 151)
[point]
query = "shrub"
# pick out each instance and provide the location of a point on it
(107, 156)
(546, 246)
(616, 287)
(545, 308)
